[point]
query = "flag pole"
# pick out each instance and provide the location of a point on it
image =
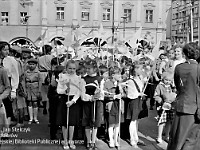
(191, 23)
(199, 26)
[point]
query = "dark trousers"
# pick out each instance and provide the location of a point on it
(53, 96)
(180, 130)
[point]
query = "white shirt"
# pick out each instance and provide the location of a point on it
(132, 91)
(11, 66)
(74, 82)
(177, 62)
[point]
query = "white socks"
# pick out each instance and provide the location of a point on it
(35, 113)
(30, 111)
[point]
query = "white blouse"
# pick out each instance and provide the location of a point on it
(132, 91)
(73, 81)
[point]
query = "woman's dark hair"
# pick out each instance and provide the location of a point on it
(46, 49)
(191, 50)
(3, 44)
(103, 69)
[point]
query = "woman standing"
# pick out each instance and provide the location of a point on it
(69, 92)
(185, 79)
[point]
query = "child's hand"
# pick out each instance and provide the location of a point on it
(69, 103)
(142, 94)
(96, 97)
(118, 96)
(158, 100)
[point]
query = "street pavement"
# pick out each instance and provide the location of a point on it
(36, 137)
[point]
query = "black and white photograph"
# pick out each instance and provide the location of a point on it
(100, 74)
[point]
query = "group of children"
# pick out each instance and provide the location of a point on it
(95, 95)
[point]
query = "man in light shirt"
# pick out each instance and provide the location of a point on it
(11, 66)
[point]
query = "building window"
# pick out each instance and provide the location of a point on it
(180, 15)
(60, 13)
(149, 16)
(127, 13)
(106, 14)
(195, 24)
(4, 17)
(196, 10)
(176, 16)
(85, 16)
(23, 17)
(183, 14)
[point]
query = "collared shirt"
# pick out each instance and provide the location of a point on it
(74, 82)
(132, 91)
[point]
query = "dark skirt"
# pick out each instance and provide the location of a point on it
(113, 114)
(61, 115)
(150, 90)
(134, 109)
(88, 114)
(8, 106)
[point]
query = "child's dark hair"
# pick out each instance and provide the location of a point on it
(102, 69)
(114, 70)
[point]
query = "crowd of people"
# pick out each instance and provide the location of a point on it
(94, 92)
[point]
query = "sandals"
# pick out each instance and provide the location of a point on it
(88, 145)
(65, 147)
(30, 121)
(133, 144)
(71, 145)
(36, 121)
